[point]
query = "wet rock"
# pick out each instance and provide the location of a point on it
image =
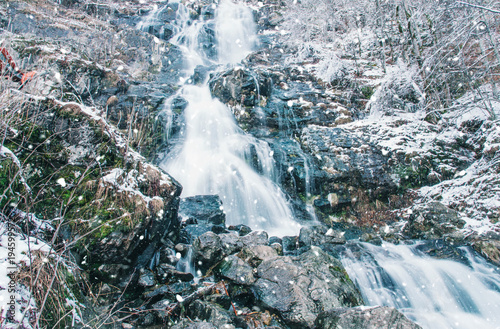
(208, 250)
(211, 313)
(255, 238)
(202, 213)
(200, 74)
(299, 288)
(441, 249)
(206, 208)
(379, 317)
(347, 158)
(290, 243)
(168, 273)
(179, 104)
(488, 245)
(432, 221)
(189, 324)
(182, 248)
(158, 23)
(240, 86)
(241, 229)
(320, 235)
(236, 270)
(147, 279)
(231, 243)
(207, 41)
(256, 255)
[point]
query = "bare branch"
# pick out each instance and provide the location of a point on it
(479, 7)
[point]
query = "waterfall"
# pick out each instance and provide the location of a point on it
(213, 155)
(435, 293)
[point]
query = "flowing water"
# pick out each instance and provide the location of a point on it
(214, 156)
(435, 293)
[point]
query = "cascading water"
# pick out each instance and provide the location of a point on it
(214, 154)
(435, 293)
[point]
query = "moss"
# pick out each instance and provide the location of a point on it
(411, 177)
(11, 188)
(367, 91)
(344, 277)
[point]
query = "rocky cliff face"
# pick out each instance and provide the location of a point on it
(82, 141)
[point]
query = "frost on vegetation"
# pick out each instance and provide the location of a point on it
(24, 303)
(475, 191)
(28, 266)
(332, 69)
(398, 92)
(479, 104)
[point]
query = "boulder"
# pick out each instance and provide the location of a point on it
(299, 288)
(212, 313)
(236, 270)
(208, 250)
(320, 235)
(379, 317)
(240, 86)
(207, 208)
(256, 255)
(488, 245)
(201, 213)
(432, 221)
(255, 238)
(231, 243)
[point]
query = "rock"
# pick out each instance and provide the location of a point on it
(256, 255)
(240, 86)
(179, 104)
(488, 245)
(255, 238)
(211, 313)
(348, 158)
(278, 247)
(236, 270)
(206, 208)
(231, 242)
(147, 279)
(189, 324)
(379, 317)
(207, 41)
(167, 273)
(320, 235)
(441, 249)
(200, 74)
(202, 213)
(241, 229)
(159, 23)
(290, 243)
(432, 221)
(182, 248)
(208, 250)
(299, 288)
(154, 210)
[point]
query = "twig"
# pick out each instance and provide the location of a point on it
(479, 7)
(227, 293)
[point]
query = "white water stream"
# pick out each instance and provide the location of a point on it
(213, 155)
(435, 293)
